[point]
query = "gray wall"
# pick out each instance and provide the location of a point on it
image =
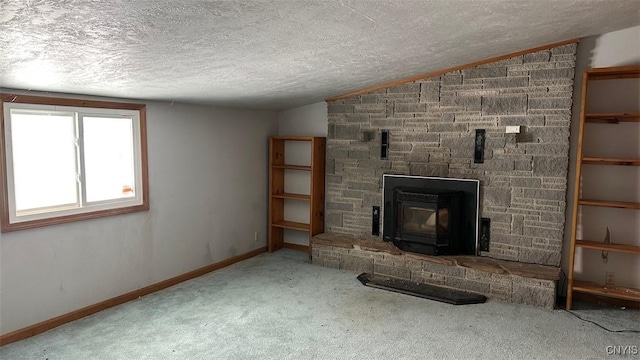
(208, 194)
(432, 124)
(309, 120)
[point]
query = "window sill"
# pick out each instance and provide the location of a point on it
(7, 227)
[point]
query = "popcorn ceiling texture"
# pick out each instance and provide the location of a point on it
(432, 123)
(275, 54)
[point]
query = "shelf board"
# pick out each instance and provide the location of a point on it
(619, 292)
(612, 118)
(598, 245)
(293, 196)
(291, 225)
(293, 138)
(613, 204)
(619, 72)
(610, 161)
(293, 167)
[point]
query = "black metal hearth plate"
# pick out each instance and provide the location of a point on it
(427, 291)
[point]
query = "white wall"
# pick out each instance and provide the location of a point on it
(617, 48)
(309, 120)
(208, 194)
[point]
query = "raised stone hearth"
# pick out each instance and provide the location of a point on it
(509, 281)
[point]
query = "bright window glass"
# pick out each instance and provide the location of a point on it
(44, 161)
(108, 158)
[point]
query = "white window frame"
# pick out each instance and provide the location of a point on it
(13, 220)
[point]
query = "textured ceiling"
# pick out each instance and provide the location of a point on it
(272, 54)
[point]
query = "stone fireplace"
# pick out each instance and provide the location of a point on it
(430, 127)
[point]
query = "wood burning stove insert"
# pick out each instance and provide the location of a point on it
(427, 218)
(434, 216)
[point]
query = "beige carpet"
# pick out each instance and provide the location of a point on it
(279, 306)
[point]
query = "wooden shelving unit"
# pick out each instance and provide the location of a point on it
(578, 286)
(277, 194)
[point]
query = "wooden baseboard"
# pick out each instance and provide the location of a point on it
(298, 247)
(92, 309)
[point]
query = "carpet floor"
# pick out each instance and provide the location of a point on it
(280, 306)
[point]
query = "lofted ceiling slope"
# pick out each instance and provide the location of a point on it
(272, 54)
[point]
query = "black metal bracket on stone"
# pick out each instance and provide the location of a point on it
(426, 291)
(478, 147)
(485, 234)
(384, 144)
(375, 221)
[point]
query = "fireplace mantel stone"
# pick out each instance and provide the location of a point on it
(502, 280)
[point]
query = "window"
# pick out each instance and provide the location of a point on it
(65, 160)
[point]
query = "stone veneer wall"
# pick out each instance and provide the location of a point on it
(432, 125)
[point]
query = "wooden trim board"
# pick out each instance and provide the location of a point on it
(455, 68)
(46, 100)
(298, 247)
(46, 325)
(576, 189)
